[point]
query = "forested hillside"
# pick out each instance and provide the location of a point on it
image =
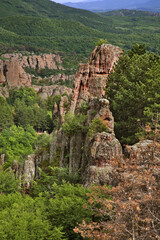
(44, 26)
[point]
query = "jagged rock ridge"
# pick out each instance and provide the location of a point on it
(91, 155)
(12, 67)
(91, 78)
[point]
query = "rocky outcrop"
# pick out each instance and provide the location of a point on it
(144, 151)
(60, 78)
(2, 158)
(92, 76)
(12, 67)
(13, 74)
(50, 61)
(29, 170)
(102, 150)
(52, 91)
(91, 154)
(4, 92)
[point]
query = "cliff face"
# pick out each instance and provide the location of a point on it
(90, 154)
(12, 67)
(92, 76)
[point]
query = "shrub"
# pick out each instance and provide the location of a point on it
(74, 124)
(101, 41)
(97, 125)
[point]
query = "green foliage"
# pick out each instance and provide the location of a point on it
(74, 124)
(8, 183)
(139, 49)
(27, 95)
(57, 99)
(66, 208)
(97, 125)
(6, 118)
(28, 109)
(84, 107)
(46, 26)
(25, 218)
(101, 41)
(43, 140)
(50, 176)
(17, 143)
(133, 89)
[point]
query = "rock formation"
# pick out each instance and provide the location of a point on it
(12, 67)
(51, 91)
(13, 74)
(92, 76)
(80, 151)
(145, 150)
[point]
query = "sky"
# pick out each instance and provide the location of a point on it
(63, 1)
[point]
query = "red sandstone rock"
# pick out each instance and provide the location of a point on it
(92, 76)
(12, 69)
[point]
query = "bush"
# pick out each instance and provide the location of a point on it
(6, 118)
(74, 124)
(17, 143)
(25, 218)
(101, 41)
(8, 183)
(97, 125)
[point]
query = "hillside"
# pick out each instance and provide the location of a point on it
(130, 13)
(44, 26)
(46, 8)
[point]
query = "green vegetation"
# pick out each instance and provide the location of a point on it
(44, 26)
(101, 41)
(97, 125)
(74, 124)
(6, 118)
(28, 109)
(22, 114)
(133, 89)
(16, 143)
(51, 211)
(8, 183)
(25, 218)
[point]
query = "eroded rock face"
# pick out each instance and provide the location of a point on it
(12, 69)
(51, 91)
(145, 150)
(103, 149)
(29, 170)
(12, 73)
(91, 154)
(92, 76)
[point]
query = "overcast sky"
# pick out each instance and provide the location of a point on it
(62, 1)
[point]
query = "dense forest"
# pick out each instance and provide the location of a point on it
(46, 26)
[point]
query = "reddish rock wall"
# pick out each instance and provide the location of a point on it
(12, 68)
(92, 76)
